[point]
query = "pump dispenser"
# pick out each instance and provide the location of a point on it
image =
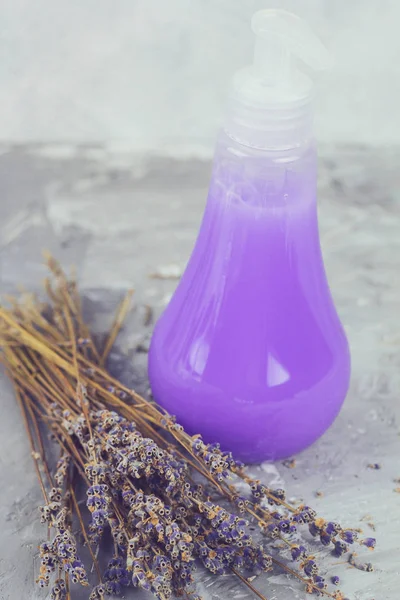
(271, 100)
(250, 351)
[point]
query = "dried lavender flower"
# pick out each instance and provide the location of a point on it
(141, 472)
(369, 542)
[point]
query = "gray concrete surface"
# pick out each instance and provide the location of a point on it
(120, 219)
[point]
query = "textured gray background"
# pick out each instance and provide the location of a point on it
(154, 73)
(120, 219)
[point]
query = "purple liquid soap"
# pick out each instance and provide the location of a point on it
(250, 351)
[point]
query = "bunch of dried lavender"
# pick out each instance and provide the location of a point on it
(154, 487)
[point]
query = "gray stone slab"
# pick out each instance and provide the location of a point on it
(121, 218)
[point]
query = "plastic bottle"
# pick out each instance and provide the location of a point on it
(250, 351)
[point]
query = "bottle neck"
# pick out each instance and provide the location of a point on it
(265, 175)
(276, 128)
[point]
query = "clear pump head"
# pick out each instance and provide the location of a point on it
(271, 100)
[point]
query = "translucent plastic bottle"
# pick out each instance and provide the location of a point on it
(250, 351)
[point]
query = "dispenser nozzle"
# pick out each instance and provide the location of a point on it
(280, 37)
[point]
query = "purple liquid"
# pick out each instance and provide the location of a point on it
(250, 351)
